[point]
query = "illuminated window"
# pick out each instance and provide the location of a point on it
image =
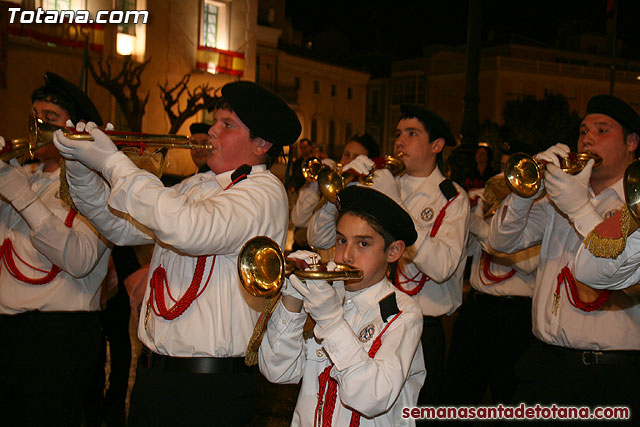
(125, 5)
(215, 28)
(63, 4)
(56, 4)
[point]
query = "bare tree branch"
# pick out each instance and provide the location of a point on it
(200, 98)
(124, 87)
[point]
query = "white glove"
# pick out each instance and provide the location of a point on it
(551, 154)
(570, 194)
(14, 186)
(329, 162)
(361, 164)
(288, 290)
(80, 127)
(321, 301)
(92, 154)
(307, 256)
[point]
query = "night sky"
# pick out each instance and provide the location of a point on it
(401, 27)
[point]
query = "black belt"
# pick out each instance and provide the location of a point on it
(595, 357)
(507, 299)
(194, 365)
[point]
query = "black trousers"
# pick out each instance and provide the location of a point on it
(46, 362)
(433, 350)
(548, 374)
(489, 335)
(166, 398)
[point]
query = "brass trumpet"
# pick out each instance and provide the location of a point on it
(331, 182)
(311, 167)
(524, 174)
(261, 267)
(41, 134)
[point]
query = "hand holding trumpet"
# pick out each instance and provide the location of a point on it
(92, 154)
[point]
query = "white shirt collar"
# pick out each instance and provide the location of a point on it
(224, 179)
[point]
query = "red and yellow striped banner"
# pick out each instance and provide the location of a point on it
(220, 61)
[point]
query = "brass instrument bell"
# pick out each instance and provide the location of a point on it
(261, 267)
(631, 183)
(524, 173)
(311, 167)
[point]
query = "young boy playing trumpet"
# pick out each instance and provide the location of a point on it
(365, 363)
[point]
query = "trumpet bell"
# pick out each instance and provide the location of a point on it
(310, 169)
(631, 183)
(261, 266)
(330, 183)
(523, 174)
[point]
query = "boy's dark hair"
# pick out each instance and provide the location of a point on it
(388, 238)
(50, 94)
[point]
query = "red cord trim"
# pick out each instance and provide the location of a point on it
(565, 276)
(325, 379)
(440, 218)
(6, 257)
(484, 267)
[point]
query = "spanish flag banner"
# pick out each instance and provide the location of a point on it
(220, 61)
(63, 34)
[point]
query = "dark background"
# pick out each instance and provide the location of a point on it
(401, 28)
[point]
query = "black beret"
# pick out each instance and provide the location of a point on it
(369, 143)
(617, 109)
(433, 123)
(380, 208)
(84, 108)
(199, 128)
(266, 114)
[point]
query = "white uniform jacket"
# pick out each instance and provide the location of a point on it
(498, 274)
(378, 388)
(605, 273)
(79, 251)
(520, 227)
(195, 217)
(441, 257)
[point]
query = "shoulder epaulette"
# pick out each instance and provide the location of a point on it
(388, 306)
(447, 189)
(242, 170)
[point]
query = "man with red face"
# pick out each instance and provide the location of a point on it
(431, 270)
(52, 264)
(196, 318)
(588, 341)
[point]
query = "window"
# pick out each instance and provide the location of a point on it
(332, 138)
(314, 130)
(349, 93)
(375, 100)
(408, 89)
(215, 29)
(333, 90)
(125, 5)
(348, 132)
(56, 4)
(316, 86)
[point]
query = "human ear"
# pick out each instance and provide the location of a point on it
(395, 250)
(437, 145)
(261, 147)
(632, 142)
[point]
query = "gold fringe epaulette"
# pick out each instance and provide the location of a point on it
(611, 247)
(64, 186)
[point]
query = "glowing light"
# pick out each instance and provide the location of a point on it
(125, 44)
